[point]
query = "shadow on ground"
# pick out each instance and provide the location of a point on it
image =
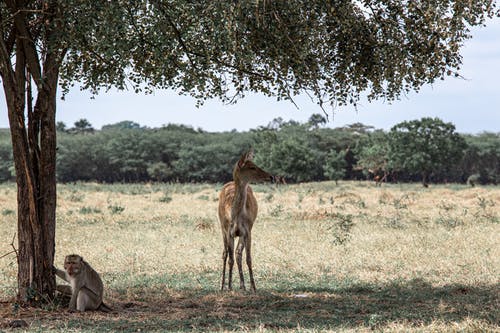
(412, 303)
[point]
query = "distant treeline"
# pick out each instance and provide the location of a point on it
(426, 150)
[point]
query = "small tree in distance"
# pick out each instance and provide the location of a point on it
(82, 126)
(425, 146)
(316, 120)
(373, 156)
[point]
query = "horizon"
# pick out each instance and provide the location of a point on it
(370, 128)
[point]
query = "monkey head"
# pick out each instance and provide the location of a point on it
(73, 264)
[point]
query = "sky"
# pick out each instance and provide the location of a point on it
(471, 104)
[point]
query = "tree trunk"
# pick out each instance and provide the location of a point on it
(34, 151)
(34, 159)
(425, 179)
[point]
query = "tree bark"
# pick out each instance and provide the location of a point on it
(425, 179)
(34, 159)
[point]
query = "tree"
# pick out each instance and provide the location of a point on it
(126, 124)
(82, 126)
(335, 164)
(61, 126)
(79, 158)
(159, 171)
(316, 120)
(332, 50)
(5, 161)
(425, 147)
(294, 160)
(373, 155)
(482, 157)
(289, 149)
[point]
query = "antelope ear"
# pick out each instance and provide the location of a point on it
(242, 161)
(248, 156)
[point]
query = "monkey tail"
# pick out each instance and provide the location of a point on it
(104, 308)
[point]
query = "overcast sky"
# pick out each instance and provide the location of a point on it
(473, 104)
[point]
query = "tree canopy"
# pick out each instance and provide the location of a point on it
(332, 50)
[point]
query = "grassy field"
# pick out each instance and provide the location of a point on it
(349, 257)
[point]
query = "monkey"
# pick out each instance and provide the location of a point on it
(86, 287)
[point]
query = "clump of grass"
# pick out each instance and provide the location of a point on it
(449, 221)
(484, 203)
(401, 202)
(7, 212)
(115, 209)
(193, 188)
(330, 200)
(165, 198)
(204, 224)
(341, 227)
(385, 198)
(356, 202)
(395, 222)
(300, 197)
(276, 211)
(446, 206)
(89, 210)
(76, 196)
(486, 210)
(346, 194)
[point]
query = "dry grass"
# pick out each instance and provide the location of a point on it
(351, 257)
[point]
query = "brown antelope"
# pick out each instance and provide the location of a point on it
(237, 213)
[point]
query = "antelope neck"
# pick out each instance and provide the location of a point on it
(240, 197)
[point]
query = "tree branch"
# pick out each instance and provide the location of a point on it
(28, 44)
(178, 35)
(188, 51)
(8, 77)
(11, 39)
(13, 247)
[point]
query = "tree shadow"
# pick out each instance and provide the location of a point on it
(412, 303)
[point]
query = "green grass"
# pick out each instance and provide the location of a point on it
(349, 258)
